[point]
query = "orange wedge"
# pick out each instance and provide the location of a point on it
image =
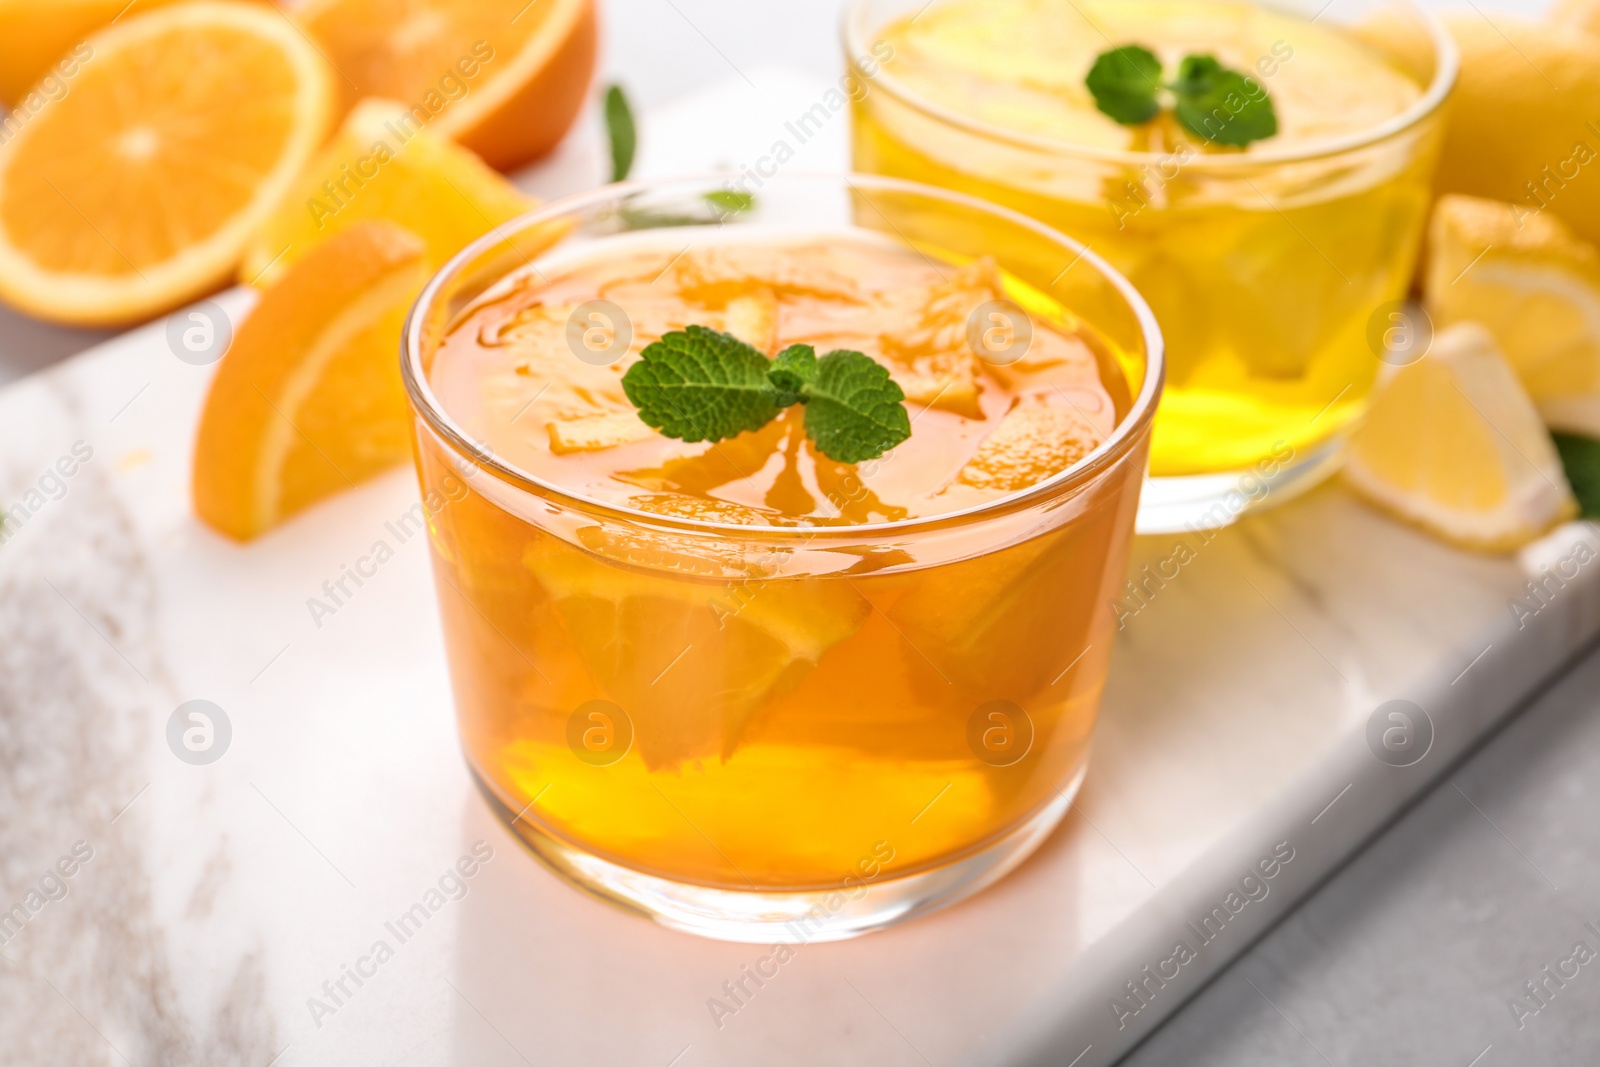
(136, 189)
(309, 400)
(37, 35)
(738, 650)
(375, 167)
(506, 78)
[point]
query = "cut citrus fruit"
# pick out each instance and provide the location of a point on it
(136, 190)
(930, 354)
(725, 271)
(1517, 128)
(309, 400)
(1536, 287)
(1453, 444)
(987, 623)
(43, 37)
(590, 433)
(1580, 14)
(1040, 437)
(689, 660)
(753, 319)
(36, 36)
(775, 841)
(506, 78)
(374, 169)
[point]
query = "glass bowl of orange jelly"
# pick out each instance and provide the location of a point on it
(737, 686)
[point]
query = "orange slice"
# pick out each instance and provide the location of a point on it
(42, 37)
(688, 649)
(1041, 436)
(309, 400)
(992, 623)
(373, 168)
(506, 78)
(928, 347)
(136, 190)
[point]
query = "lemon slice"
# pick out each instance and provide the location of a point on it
(1453, 444)
(1536, 287)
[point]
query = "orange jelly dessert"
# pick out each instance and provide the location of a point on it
(739, 664)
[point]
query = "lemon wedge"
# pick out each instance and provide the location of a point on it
(1453, 444)
(1536, 287)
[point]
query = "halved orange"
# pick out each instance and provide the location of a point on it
(38, 35)
(136, 190)
(309, 401)
(506, 78)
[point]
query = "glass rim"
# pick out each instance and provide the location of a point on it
(425, 404)
(1446, 67)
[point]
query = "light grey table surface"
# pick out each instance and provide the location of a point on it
(1417, 951)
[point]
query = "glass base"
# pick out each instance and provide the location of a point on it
(1174, 504)
(793, 918)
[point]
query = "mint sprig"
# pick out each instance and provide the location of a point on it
(1209, 100)
(701, 385)
(1580, 456)
(854, 410)
(1124, 82)
(620, 131)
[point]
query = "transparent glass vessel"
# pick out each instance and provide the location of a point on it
(766, 733)
(1265, 268)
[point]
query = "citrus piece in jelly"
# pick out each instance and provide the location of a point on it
(688, 660)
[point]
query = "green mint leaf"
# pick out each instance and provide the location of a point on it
(1196, 73)
(1581, 457)
(701, 385)
(1124, 83)
(649, 219)
(709, 209)
(1222, 105)
(791, 372)
(620, 130)
(853, 408)
(731, 201)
